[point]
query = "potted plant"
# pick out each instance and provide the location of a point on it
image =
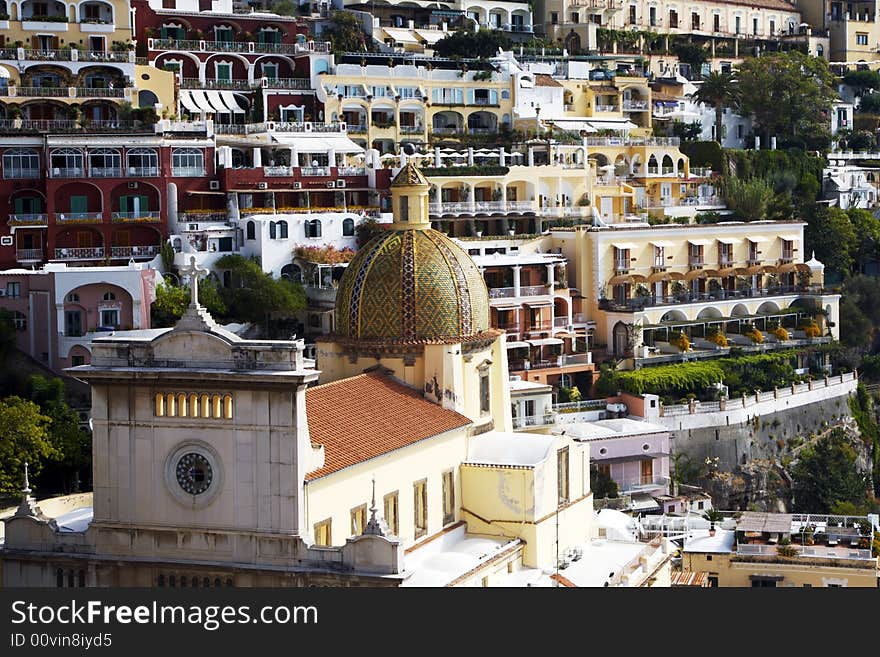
(681, 341)
(713, 516)
(717, 337)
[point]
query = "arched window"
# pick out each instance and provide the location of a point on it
(160, 404)
(81, 576)
(820, 50)
(21, 163)
(206, 406)
(187, 162)
(170, 405)
(194, 405)
(313, 228)
(73, 297)
(160, 582)
(348, 227)
(59, 578)
(272, 230)
(142, 162)
(67, 162)
(109, 296)
(172, 581)
(251, 230)
(181, 405)
(227, 407)
(216, 408)
(282, 230)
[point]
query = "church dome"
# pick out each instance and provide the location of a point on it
(410, 286)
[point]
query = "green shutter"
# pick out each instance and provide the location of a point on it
(19, 206)
(79, 204)
(123, 204)
(143, 203)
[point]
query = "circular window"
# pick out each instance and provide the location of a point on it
(145, 77)
(602, 450)
(194, 473)
(646, 447)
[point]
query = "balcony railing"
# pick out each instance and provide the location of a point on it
(18, 174)
(27, 255)
(193, 217)
(196, 83)
(642, 482)
(67, 172)
(28, 219)
(51, 125)
(187, 172)
(607, 108)
(411, 129)
(805, 551)
(352, 171)
(524, 291)
(299, 84)
(481, 206)
(134, 251)
(79, 217)
(237, 46)
(89, 92)
(635, 104)
(105, 172)
(534, 420)
(639, 303)
(80, 253)
(143, 172)
(633, 141)
(135, 217)
(315, 171)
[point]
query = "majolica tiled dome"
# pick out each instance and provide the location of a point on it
(408, 286)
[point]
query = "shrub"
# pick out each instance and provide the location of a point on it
(681, 341)
(780, 332)
(755, 335)
(787, 551)
(811, 330)
(718, 338)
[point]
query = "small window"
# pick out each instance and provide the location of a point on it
(562, 475)
(420, 507)
(713, 581)
(358, 520)
(448, 497)
(348, 227)
(484, 393)
(251, 231)
(181, 405)
(76, 361)
(700, 505)
(160, 404)
(861, 39)
(391, 516)
(227, 407)
(109, 296)
(404, 208)
(708, 557)
(194, 405)
(13, 290)
(73, 297)
(171, 405)
(216, 406)
(323, 534)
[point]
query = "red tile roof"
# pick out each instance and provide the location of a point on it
(365, 416)
(544, 80)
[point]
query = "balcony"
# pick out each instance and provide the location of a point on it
(360, 129)
(143, 172)
(28, 255)
(196, 83)
(411, 130)
(67, 172)
(135, 251)
(524, 291)
(481, 206)
(321, 172)
(298, 84)
(80, 253)
(805, 552)
(642, 484)
(188, 172)
(352, 171)
(534, 420)
(633, 141)
(19, 174)
(79, 217)
(640, 303)
(105, 172)
(136, 217)
(559, 361)
(635, 105)
(51, 125)
(28, 220)
(237, 46)
(194, 217)
(607, 108)
(94, 92)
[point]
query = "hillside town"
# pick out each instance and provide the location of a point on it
(579, 293)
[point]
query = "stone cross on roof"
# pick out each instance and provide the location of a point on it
(376, 525)
(194, 272)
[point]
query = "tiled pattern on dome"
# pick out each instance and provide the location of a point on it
(410, 286)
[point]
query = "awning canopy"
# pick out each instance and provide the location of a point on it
(757, 239)
(728, 240)
(666, 276)
(628, 278)
(790, 238)
(611, 124)
(210, 101)
(643, 502)
(314, 144)
(623, 246)
(537, 303)
(574, 126)
(794, 266)
(517, 344)
(733, 271)
(545, 342)
(663, 245)
(401, 35)
(431, 36)
(700, 242)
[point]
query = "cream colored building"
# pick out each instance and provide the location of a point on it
(769, 550)
(384, 106)
(692, 277)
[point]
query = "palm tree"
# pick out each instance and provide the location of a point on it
(719, 91)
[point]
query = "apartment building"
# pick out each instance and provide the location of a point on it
(786, 550)
(851, 26)
(413, 102)
(646, 284)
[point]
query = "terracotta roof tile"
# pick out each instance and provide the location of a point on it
(564, 581)
(544, 80)
(365, 416)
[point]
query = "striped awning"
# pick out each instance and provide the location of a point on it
(210, 101)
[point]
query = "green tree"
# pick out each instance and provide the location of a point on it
(862, 81)
(687, 131)
(255, 296)
(830, 234)
(346, 33)
(285, 8)
(718, 90)
(24, 436)
(789, 94)
(867, 230)
(748, 198)
(482, 44)
(692, 54)
(167, 255)
(870, 104)
(172, 300)
(602, 485)
(825, 475)
(367, 230)
(72, 445)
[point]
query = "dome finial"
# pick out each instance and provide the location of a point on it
(409, 199)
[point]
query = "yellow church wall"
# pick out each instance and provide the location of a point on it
(335, 495)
